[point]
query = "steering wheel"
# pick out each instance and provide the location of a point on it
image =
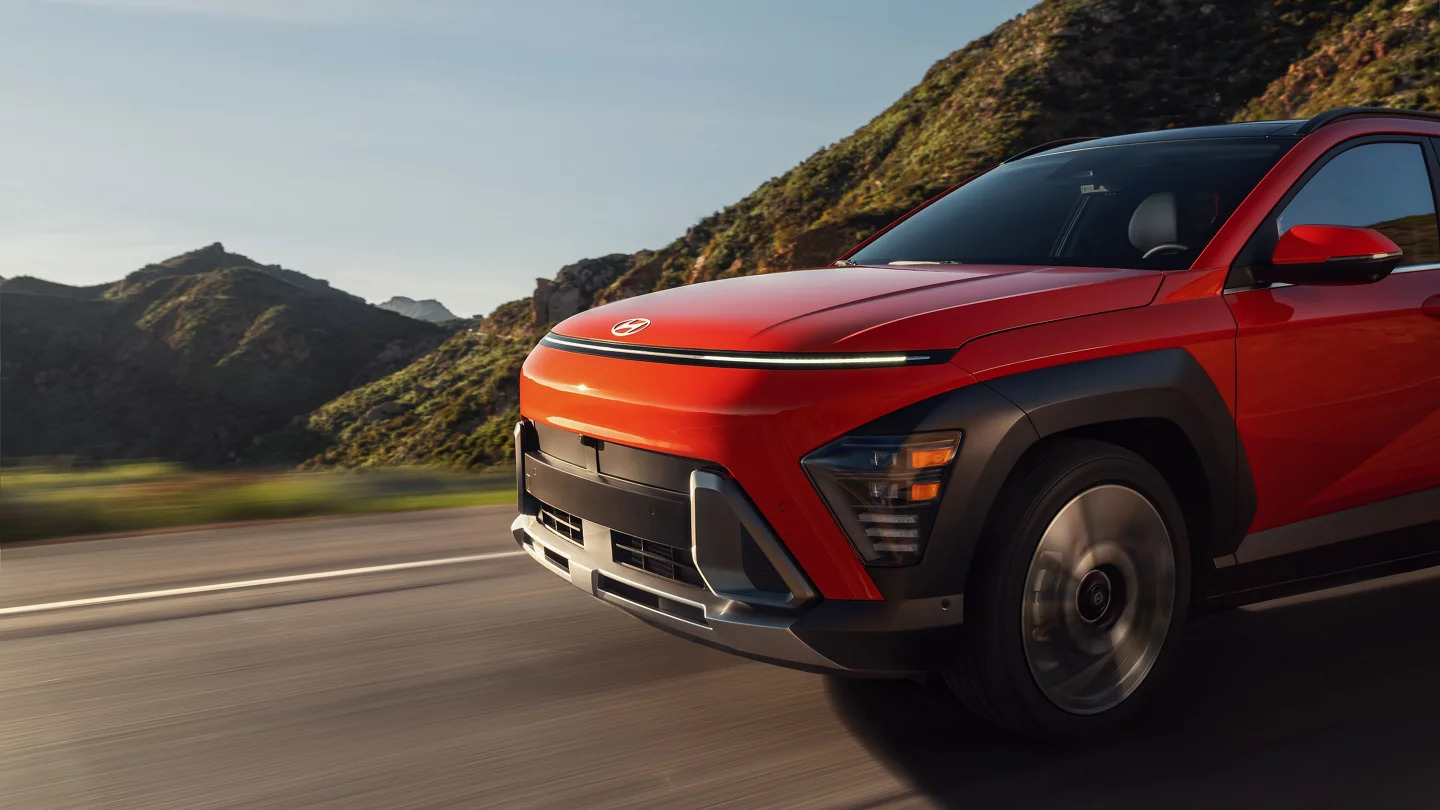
(1167, 246)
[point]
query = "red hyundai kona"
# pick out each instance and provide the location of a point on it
(1013, 439)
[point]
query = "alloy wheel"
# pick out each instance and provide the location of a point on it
(1099, 597)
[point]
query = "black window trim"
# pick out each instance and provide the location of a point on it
(1432, 156)
(1262, 242)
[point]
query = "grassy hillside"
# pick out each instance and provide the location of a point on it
(191, 359)
(1067, 67)
(455, 406)
(1386, 54)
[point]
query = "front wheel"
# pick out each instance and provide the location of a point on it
(1079, 591)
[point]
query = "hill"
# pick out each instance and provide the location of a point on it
(428, 310)
(192, 358)
(454, 406)
(1065, 68)
(39, 286)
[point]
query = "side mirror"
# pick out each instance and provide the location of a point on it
(1329, 254)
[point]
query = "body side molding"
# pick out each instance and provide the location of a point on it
(1406, 511)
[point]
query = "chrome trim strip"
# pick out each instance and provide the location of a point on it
(741, 360)
(609, 596)
(1253, 287)
(1404, 512)
(1413, 268)
(642, 587)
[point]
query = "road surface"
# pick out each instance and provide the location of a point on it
(481, 680)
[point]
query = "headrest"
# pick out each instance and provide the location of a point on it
(1154, 222)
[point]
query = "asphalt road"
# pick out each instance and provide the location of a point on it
(487, 682)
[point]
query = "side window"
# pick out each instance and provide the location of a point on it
(1385, 186)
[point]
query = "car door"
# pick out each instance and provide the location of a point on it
(1338, 387)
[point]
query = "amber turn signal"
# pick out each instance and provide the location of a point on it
(924, 492)
(931, 457)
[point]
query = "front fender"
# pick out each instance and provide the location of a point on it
(1004, 418)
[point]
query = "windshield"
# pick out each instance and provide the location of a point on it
(1143, 206)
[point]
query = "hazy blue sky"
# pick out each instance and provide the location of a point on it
(429, 148)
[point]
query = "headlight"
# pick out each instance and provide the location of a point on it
(884, 490)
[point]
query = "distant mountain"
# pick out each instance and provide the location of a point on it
(205, 260)
(39, 286)
(427, 310)
(194, 358)
(1065, 68)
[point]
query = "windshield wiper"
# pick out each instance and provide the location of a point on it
(907, 262)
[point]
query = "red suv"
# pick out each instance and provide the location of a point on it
(1017, 436)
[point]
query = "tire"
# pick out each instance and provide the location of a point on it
(1078, 594)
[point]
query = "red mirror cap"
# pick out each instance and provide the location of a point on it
(1316, 244)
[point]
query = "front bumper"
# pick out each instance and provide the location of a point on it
(744, 593)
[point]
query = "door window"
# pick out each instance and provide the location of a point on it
(1385, 186)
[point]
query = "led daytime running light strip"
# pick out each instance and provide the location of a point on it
(736, 359)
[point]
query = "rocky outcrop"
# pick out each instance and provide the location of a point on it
(384, 410)
(427, 310)
(574, 288)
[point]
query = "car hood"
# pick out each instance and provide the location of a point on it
(864, 309)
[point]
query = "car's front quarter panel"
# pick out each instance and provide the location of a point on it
(1092, 370)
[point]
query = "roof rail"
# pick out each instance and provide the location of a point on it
(1331, 116)
(1047, 145)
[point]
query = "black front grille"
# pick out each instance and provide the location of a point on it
(562, 523)
(662, 560)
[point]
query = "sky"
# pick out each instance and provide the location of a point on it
(450, 149)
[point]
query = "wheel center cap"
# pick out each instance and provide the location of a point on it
(1092, 600)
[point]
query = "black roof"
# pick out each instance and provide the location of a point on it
(1248, 129)
(1294, 128)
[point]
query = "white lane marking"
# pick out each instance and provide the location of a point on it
(255, 583)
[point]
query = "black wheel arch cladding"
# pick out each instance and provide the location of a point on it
(1005, 417)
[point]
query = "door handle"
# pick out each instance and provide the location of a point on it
(1431, 306)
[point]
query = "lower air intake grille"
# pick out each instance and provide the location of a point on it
(562, 523)
(758, 568)
(670, 562)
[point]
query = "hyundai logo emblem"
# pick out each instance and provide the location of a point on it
(630, 327)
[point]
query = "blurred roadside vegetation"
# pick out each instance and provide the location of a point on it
(50, 501)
